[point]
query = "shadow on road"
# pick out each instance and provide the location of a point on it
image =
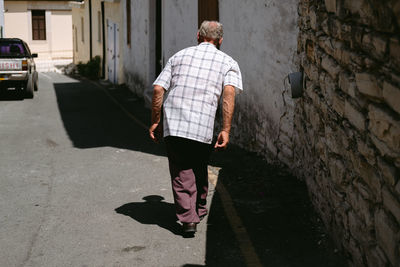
(92, 120)
(152, 211)
(276, 211)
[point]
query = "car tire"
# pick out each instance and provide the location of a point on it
(29, 89)
(35, 87)
(36, 81)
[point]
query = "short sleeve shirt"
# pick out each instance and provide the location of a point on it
(194, 79)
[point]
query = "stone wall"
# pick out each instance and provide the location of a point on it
(347, 124)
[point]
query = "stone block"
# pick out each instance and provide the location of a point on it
(310, 51)
(357, 61)
(347, 84)
(383, 148)
(367, 151)
(352, 6)
(375, 257)
(330, 66)
(326, 44)
(362, 207)
(395, 50)
(368, 175)
(330, 6)
(395, 78)
(356, 253)
(344, 137)
(313, 19)
(391, 95)
(345, 32)
(337, 171)
(391, 203)
(325, 26)
(344, 56)
(382, 20)
(368, 85)
(358, 229)
(332, 141)
(327, 85)
(397, 188)
(384, 127)
(389, 172)
(386, 232)
(364, 190)
(311, 71)
(396, 11)
(375, 44)
(320, 149)
(355, 117)
(338, 104)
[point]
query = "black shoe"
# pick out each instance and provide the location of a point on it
(189, 227)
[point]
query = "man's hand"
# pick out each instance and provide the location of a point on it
(222, 141)
(155, 132)
(228, 104)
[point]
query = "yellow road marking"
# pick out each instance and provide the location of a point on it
(246, 246)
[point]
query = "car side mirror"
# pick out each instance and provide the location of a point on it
(34, 55)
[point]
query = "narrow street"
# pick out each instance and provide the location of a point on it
(81, 184)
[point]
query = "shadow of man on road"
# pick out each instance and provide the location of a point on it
(153, 211)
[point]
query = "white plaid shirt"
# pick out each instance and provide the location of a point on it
(194, 79)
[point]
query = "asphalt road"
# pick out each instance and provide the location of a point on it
(81, 184)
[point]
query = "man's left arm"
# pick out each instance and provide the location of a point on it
(228, 106)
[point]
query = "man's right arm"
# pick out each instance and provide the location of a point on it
(228, 106)
(158, 94)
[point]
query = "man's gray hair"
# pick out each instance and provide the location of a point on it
(211, 29)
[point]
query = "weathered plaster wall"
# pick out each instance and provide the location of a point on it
(261, 36)
(347, 125)
(80, 45)
(113, 11)
(179, 26)
(61, 40)
(139, 62)
(97, 39)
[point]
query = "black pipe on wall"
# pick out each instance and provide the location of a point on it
(90, 29)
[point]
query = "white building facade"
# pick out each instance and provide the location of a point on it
(46, 26)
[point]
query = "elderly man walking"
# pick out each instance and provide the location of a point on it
(193, 81)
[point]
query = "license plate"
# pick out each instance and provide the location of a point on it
(11, 65)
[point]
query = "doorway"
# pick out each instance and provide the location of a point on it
(112, 51)
(208, 10)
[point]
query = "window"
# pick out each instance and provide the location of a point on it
(76, 38)
(13, 48)
(82, 30)
(128, 22)
(99, 27)
(38, 25)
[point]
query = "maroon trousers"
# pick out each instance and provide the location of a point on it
(188, 161)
